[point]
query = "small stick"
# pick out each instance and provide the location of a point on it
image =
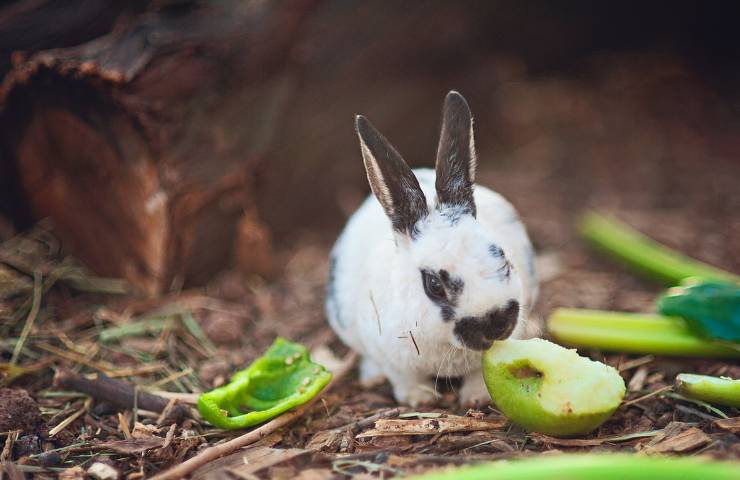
(115, 392)
(218, 451)
(415, 345)
(366, 422)
(644, 397)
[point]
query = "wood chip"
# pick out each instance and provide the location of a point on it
(432, 426)
(590, 442)
(248, 462)
(144, 431)
(730, 424)
(170, 435)
(685, 441)
(133, 445)
(637, 382)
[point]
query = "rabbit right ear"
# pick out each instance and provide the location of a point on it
(456, 155)
(391, 179)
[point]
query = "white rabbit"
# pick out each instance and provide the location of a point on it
(420, 297)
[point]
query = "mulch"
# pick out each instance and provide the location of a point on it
(611, 140)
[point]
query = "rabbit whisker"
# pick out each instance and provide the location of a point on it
(441, 364)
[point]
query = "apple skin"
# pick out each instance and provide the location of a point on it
(518, 397)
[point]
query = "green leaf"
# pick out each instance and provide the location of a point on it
(711, 309)
(283, 378)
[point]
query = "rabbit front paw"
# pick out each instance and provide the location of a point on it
(413, 391)
(474, 391)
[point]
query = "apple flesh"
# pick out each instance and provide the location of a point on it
(550, 389)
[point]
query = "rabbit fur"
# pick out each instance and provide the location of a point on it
(421, 296)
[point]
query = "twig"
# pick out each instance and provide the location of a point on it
(366, 422)
(644, 397)
(32, 314)
(218, 451)
(415, 345)
(710, 408)
(65, 423)
(695, 412)
(637, 362)
(116, 392)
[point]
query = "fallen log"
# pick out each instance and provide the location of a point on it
(142, 144)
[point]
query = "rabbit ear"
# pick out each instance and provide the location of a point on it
(391, 179)
(456, 155)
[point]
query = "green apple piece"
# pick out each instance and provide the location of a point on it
(550, 389)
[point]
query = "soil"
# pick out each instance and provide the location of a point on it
(18, 411)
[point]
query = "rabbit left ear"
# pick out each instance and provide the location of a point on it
(456, 155)
(391, 179)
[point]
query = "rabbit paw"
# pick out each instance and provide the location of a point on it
(413, 393)
(474, 391)
(370, 372)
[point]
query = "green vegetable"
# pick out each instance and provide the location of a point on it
(632, 333)
(593, 466)
(711, 309)
(283, 378)
(717, 390)
(644, 254)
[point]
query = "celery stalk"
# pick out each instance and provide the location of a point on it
(716, 390)
(632, 333)
(593, 466)
(644, 254)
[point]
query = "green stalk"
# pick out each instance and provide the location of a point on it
(593, 466)
(644, 254)
(134, 329)
(717, 390)
(632, 333)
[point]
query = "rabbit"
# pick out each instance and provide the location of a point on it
(431, 268)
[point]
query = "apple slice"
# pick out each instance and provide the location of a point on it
(550, 389)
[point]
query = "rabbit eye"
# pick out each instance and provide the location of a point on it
(433, 286)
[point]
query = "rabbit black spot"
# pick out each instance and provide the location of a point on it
(496, 251)
(479, 333)
(422, 245)
(453, 284)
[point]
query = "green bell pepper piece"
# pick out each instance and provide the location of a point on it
(283, 378)
(711, 309)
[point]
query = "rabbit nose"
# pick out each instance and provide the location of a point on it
(479, 333)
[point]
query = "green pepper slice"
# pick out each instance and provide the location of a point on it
(283, 378)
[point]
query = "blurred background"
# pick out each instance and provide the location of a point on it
(170, 140)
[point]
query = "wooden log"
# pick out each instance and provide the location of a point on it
(142, 144)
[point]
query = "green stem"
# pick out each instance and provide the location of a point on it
(644, 254)
(717, 390)
(632, 333)
(591, 466)
(134, 329)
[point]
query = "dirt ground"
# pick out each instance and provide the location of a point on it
(640, 137)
